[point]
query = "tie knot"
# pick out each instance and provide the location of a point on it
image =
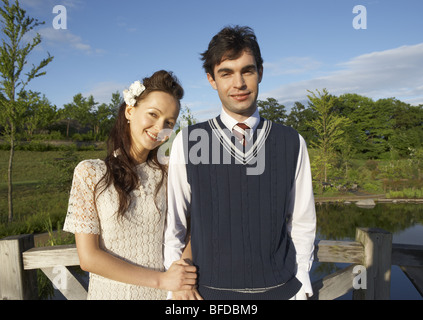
(243, 126)
(239, 132)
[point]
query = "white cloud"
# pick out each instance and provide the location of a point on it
(43, 10)
(42, 4)
(290, 65)
(63, 37)
(391, 73)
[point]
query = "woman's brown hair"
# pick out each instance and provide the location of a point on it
(121, 166)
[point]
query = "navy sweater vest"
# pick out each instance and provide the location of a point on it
(238, 220)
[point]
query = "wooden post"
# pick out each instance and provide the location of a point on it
(15, 282)
(377, 261)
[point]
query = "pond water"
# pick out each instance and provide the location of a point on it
(339, 222)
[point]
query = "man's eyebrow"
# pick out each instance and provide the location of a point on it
(246, 68)
(223, 70)
(249, 67)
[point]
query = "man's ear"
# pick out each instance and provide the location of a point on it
(260, 72)
(211, 81)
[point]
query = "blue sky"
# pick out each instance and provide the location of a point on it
(306, 45)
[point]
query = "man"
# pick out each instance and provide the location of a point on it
(251, 231)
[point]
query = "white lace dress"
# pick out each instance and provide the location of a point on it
(137, 238)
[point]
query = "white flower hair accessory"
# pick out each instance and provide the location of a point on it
(130, 95)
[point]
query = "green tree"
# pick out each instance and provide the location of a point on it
(103, 117)
(272, 110)
(115, 103)
(372, 124)
(407, 129)
(14, 51)
(329, 129)
(82, 110)
(380, 128)
(67, 113)
(186, 118)
(298, 118)
(110, 114)
(354, 106)
(39, 113)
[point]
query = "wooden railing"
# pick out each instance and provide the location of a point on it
(373, 252)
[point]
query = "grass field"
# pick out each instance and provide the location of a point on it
(42, 180)
(41, 184)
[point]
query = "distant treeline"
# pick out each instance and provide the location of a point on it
(356, 142)
(366, 129)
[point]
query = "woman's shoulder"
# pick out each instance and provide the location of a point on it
(91, 166)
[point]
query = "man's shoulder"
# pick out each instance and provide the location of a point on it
(199, 125)
(278, 127)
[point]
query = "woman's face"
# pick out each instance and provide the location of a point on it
(151, 122)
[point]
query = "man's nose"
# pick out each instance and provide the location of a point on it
(239, 81)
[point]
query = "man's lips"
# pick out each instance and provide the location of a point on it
(240, 96)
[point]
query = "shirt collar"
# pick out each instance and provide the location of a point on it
(252, 121)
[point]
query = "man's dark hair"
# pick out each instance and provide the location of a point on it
(230, 43)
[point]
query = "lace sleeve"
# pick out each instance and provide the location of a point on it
(82, 215)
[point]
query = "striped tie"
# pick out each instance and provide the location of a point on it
(239, 132)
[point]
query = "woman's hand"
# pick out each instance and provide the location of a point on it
(180, 276)
(187, 295)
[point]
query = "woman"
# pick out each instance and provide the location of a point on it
(117, 207)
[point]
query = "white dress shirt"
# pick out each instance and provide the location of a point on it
(301, 224)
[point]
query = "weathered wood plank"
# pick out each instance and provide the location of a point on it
(339, 251)
(50, 257)
(415, 274)
(66, 283)
(407, 255)
(15, 283)
(334, 285)
(373, 249)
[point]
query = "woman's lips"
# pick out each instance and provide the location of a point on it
(152, 136)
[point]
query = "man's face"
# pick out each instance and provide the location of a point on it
(237, 82)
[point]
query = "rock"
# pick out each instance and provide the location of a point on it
(366, 203)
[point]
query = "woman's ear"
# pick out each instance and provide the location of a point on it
(128, 112)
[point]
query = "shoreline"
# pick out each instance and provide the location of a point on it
(376, 198)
